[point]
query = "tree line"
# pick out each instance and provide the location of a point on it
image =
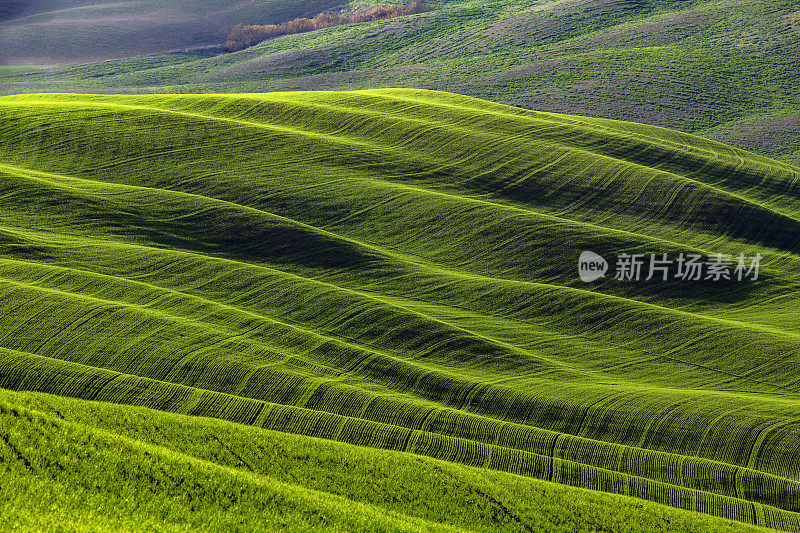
(243, 36)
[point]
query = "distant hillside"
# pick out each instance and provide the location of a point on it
(393, 270)
(81, 31)
(724, 68)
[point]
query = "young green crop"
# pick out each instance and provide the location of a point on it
(88, 466)
(397, 269)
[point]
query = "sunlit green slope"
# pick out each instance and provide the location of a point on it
(397, 269)
(76, 465)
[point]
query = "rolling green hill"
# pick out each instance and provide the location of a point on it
(721, 68)
(396, 270)
(143, 470)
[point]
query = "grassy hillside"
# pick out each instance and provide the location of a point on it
(79, 465)
(397, 269)
(725, 68)
(80, 31)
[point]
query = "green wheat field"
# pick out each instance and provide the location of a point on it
(361, 311)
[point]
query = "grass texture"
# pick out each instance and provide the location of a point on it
(76, 465)
(396, 270)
